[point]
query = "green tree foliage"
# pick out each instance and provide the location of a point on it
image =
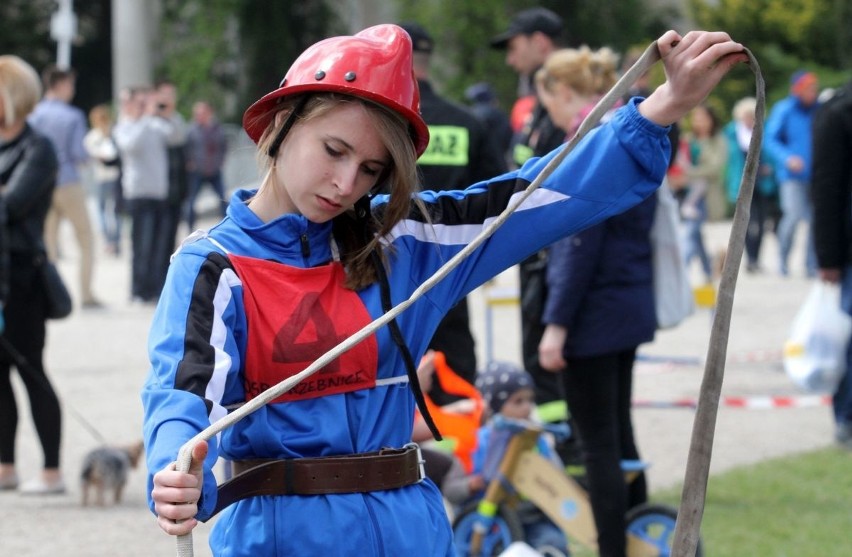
(198, 49)
(462, 31)
(231, 52)
(784, 35)
(273, 34)
(25, 32)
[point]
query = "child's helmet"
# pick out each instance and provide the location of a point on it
(374, 64)
(500, 380)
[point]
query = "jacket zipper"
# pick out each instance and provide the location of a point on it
(306, 247)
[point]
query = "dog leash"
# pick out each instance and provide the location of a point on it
(649, 57)
(24, 366)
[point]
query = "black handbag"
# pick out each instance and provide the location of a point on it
(58, 298)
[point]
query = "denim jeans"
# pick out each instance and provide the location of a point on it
(842, 399)
(692, 240)
(109, 210)
(795, 208)
(196, 180)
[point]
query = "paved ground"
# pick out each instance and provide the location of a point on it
(97, 360)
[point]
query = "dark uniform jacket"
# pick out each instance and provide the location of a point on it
(460, 153)
(831, 185)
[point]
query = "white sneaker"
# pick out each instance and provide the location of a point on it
(38, 486)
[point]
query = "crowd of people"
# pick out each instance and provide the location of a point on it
(366, 192)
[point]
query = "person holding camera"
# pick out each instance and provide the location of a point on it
(142, 136)
(167, 98)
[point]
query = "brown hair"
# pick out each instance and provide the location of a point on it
(54, 75)
(359, 235)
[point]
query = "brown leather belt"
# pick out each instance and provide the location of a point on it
(358, 473)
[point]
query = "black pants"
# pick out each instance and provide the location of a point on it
(598, 391)
(758, 215)
(25, 332)
(148, 241)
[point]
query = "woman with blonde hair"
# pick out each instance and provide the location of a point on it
(28, 167)
(599, 309)
(572, 81)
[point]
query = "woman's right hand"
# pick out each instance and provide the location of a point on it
(176, 494)
(694, 64)
(550, 348)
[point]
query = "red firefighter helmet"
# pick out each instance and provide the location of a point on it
(374, 64)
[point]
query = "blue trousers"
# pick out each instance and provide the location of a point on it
(196, 180)
(795, 208)
(692, 240)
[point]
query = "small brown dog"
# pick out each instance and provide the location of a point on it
(106, 468)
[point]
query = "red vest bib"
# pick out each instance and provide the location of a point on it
(296, 315)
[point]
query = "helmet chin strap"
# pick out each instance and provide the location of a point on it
(362, 212)
(285, 129)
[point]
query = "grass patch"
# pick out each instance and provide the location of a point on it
(795, 506)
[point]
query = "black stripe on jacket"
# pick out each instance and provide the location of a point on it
(195, 370)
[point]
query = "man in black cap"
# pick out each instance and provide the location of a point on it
(532, 36)
(460, 153)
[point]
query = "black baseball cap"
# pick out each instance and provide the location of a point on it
(527, 22)
(421, 40)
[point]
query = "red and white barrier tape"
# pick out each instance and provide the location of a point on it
(744, 402)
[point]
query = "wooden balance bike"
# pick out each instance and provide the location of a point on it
(487, 527)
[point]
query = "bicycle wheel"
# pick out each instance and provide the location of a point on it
(654, 524)
(505, 528)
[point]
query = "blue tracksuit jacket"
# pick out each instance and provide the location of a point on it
(198, 335)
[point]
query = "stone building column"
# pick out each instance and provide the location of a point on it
(133, 26)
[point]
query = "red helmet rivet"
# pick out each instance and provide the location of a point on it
(350, 76)
(319, 75)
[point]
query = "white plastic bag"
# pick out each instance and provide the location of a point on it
(673, 295)
(519, 549)
(815, 353)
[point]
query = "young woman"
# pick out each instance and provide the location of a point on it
(312, 256)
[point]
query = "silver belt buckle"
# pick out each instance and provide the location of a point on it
(420, 460)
